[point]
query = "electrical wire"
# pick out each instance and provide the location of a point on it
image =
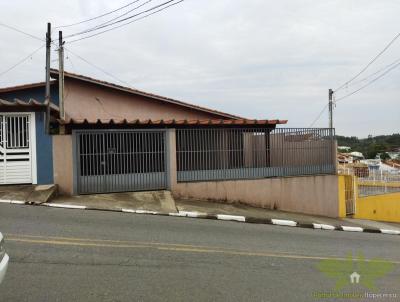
(118, 21)
(21, 61)
(369, 83)
(21, 32)
(68, 57)
(377, 72)
(97, 17)
(369, 63)
(99, 68)
(124, 14)
(135, 20)
(318, 116)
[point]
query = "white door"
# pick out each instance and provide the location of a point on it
(17, 142)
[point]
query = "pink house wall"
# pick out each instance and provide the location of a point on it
(86, 100)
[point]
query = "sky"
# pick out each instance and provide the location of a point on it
(254, 58)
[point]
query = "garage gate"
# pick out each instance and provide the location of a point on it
(119, 160)
(17, 148)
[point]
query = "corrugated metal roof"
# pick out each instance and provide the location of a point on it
(54, 72)
(208, 122)
(32, 103)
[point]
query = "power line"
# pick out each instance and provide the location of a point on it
(377, 72)
(21, 61)
(369, 83)
(124, 14)
(110, 29)
(70, 61)
(21, 32)
(100, 16)
(318, 116)
(99, 68)
(369, 63)
(122, 20)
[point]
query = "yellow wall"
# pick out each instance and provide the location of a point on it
(385, 207)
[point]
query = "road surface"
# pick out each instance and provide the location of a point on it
(75, 255)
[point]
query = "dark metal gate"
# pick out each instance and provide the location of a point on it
(119, 160)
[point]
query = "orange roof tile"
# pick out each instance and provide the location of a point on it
(31, 103)
(211, 122)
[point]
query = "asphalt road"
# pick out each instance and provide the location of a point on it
(75, 255)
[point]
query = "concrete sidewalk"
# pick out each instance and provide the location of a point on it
(163, 202)
(192, 205)
(152, 201)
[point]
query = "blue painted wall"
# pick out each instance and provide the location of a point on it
(44, 143)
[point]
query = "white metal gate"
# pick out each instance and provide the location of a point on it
(16, 148)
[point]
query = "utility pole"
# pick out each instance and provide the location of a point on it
(61, 74)
(47, 95)
(330, 108)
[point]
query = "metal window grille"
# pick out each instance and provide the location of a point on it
(15, 149)
(15, 132)
(230, 153)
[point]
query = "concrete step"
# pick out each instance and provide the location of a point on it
(41, 194)
(32, 194)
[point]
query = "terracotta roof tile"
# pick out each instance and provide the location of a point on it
(221, 122)
(31, 103)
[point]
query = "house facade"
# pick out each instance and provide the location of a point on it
(25, 148)
(30, 155)
(115, 139)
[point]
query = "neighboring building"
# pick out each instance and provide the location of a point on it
(377, 165)
(394, 155)
(344, 158)
(357, 155)
(26, 150)
(344, 148)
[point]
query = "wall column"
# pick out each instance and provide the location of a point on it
(171, 159)
(63, 163)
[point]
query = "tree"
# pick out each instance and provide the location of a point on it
(384, 156)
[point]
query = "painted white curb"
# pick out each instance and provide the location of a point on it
(128, 211)
(390, 232)
(323, 226)
(191, 214)
(284, 222)
(352, 229)
(231, 217)
(17, 202)
(179, 214)
(219, 217)
(145, 212)
(66, 206)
